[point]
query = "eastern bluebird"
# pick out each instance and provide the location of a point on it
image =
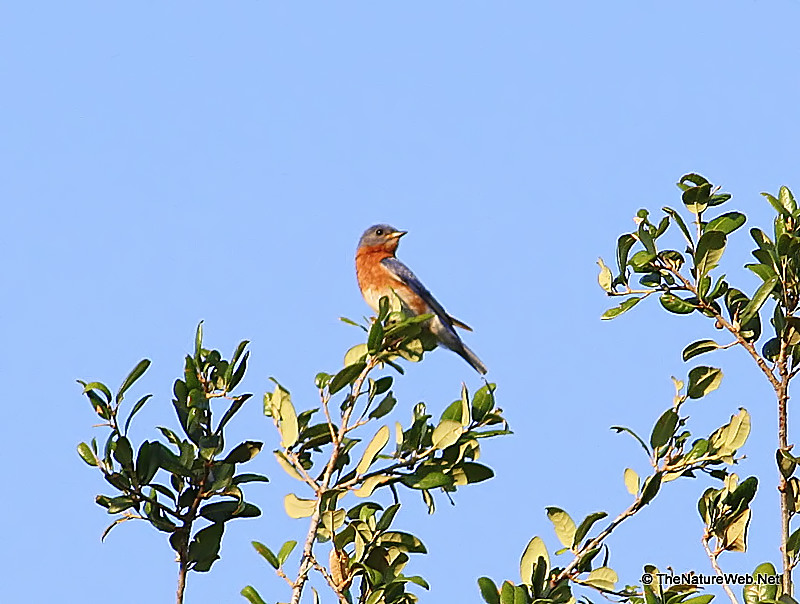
(381, 274)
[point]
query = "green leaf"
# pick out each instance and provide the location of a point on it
(139, 404)
(489, 591)
(605, 277)
(96, 386)
(703, 380)
(727, 223)
(119, 504)
(681, 224)
(475, 472)
(87, 455)
(445, 434)
(564, 525)
(384, 407)
(405, 542)
(756, 592)
(699, 347)
(198, 342)
(252, 596)
(652, 484)
(777, 205)
(374, 447)
(612, 313)
(585, 526)
(664, 429)
(346, 377)
(246, 477)
(631, 481)
(286, 551)
(123, 452)
(482, 402)
(204, 548)
(134, 375)
(709, 251)
(288, 417)
(624, 245)
(761, 295)
(425, 478)
(375, 337)
(619, 429)
(386, 518)
(533, 551)
(222, 511)
(298, 508)
(603, 578)
(244, 452)
(267, 554)
(676, 305)
(696, 198)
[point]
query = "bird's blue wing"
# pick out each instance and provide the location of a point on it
(402, 272)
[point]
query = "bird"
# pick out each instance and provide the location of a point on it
(381, 274)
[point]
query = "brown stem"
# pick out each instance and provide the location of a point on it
(712, 556)
(597, 541)
(183, 557)
(307, 559)
(780, 384)
(783, 486)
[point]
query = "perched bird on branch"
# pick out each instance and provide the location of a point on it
(381, 274)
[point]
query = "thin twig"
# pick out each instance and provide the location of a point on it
(712, 556)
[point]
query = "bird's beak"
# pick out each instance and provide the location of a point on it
(398, 234)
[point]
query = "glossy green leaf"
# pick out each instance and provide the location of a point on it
(681, 224)
(631, 481)
(405, 542)
(563, 524)
(123, 452)
(426, 477)
(603, 578)
(533, 551)
(244, 452)
(298, 508)
(489, 591)
(612, 313)
(204, 548)
(374, 447)
(446, 433)
(703, 380)
(267, 554)
(134, 375)
(759, 592)
(585, 526)
(384, 407)
(652, 485)
(761, 295)
(346, 377)
(624, 245)
(699, 347)
(710, 248)
(664, 429)
(605, 277)
(87, 455)
(252, 596)
(675, 304)
(726, 223)
(777, 205)
(286, 551)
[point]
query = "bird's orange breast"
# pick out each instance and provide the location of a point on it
(373, 278)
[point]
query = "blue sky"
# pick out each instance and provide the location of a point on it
(167, 164)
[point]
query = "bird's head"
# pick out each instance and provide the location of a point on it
(381, 236)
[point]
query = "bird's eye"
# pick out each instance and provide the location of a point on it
(379, 232)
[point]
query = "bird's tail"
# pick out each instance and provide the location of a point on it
(472, 358)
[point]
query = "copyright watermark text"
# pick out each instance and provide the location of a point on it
(694, 578)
